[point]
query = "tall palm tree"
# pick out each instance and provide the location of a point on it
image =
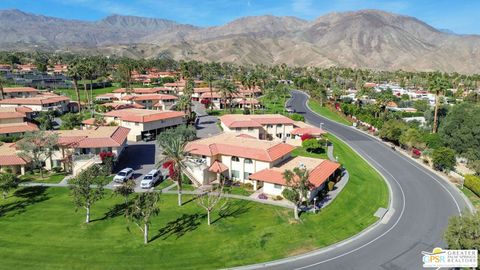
(438, 84)
(74, 72)
(227, 90)
(2, 81)
(173, 150)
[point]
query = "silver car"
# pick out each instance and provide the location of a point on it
(150, 179)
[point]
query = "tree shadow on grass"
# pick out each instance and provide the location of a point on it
(26, 196)
(179, 227)
(233, 209)
(116, 211)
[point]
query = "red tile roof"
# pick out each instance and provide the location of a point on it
(19, 90)
(17, 128)
(230, 145)
(154, 97)
(312, 131)
(36, 100)
(143, 116)
(218, 167)
(320, 171)
(104, 136)
(238, 120)
(8, 155)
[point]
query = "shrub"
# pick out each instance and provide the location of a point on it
(57, 169)
(186, 180)
(297, 117)
(247, 186)
(331, 185)
(262, 196)
(306, 136)
(472, 182)
(278, 198)
(443, 159)
(311, 145)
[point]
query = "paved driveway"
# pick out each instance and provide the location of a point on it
(142, 157)
(207, 125)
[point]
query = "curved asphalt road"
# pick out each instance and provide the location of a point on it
(422, 204)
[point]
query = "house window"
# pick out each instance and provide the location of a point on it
(246, 175)
(136, 123)
(277, 186)
(269, 126)
(248, 161)
(235, 159)
(279, 135)
(250, 129)
(235, 174)
(238, 129)
(279, 125)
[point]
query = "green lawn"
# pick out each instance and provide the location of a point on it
(165, 183)
(71, 92)
(472, 197)
(328, 113)
(41, 229)
(238, 191)
(300, 151)
(51, 178)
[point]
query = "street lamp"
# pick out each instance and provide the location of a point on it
(315, 205)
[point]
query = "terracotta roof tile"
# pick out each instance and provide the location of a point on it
(17, 128)
(143, 116)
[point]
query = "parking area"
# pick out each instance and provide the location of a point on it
(142, 157)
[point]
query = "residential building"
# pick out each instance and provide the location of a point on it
(320, 172)
(13, 121)
(35, 101)
(154, 101)
(10, 160)
(79, 149)
(233, 156)
(141, 122)
(245, 159)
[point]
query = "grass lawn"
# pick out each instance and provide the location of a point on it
(71, 92)
(238, 191)
(472, 197)
(273, 108)
(328, 113)
(51, 178)
(165, 183)
(41, 230)
(300, 151)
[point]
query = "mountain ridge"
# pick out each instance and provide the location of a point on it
(360, 39)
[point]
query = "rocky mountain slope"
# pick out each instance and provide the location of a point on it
(366, 39)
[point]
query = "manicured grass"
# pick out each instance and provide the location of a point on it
(300, 151)
(71, 92)
(273, 107)
(41, 230)
(165, 183)
(328, 113)
(51, 178)
(472, 197)
(238, 191)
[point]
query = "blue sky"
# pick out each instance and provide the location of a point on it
(460, 16)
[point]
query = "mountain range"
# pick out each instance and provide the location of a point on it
(359, 39)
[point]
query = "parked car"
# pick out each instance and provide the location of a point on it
(150, 179)
(123, 175)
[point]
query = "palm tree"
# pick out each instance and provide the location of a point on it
(2, 81)
(173, 150)
(438, 84)
(74, 72)
(227, 89)
(184, 104)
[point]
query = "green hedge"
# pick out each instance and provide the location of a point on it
(472, 182)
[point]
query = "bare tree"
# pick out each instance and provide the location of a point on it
(211, 199)
(87, 188)
(298, 187)
(144, 207)
(38, 147)
(125, 189)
